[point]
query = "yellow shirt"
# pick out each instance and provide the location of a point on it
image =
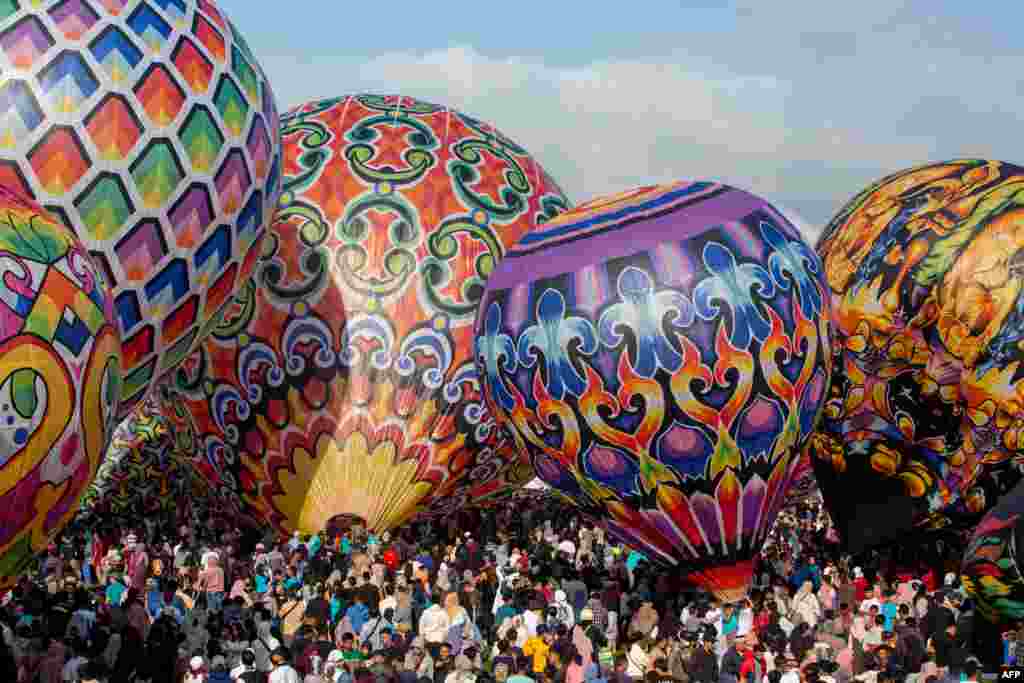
(536, 647)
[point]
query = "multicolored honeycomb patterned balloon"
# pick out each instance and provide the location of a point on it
(149, 129)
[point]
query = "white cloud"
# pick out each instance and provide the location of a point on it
(825, 106)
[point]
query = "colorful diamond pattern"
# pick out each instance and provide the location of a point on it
(193, 65)
(25, 42)
(202, 139)
(74, 18)
(231, 104)
(246, 75)
(232, 182)
(149, 128)
(114, 128)
(210, 38)
(67, 82)
(160, 95)
(104, 207)
(258, 145)
(116, 52)
(150, 27)
(175, 10)
(141, 250)
(20, 113)
(114, 7)
(157, 173)
(59, 160)
(191, 216)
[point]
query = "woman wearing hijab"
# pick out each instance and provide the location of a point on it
(135, 612)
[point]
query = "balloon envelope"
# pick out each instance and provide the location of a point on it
(150, 130)
(991, 572)
(662, 356)
(923, 425)
(60, 372)
(142, 471)
(341, 380)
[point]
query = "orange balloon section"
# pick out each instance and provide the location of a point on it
(341, 379)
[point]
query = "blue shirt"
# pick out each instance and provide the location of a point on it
(634, 559)
(358, 614)
(261, 584)
(889, 611)
(115, 591)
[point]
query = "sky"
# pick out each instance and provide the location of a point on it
(802, 102)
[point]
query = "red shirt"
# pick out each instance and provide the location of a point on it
(861, 584)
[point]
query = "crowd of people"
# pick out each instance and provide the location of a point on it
(534, 597)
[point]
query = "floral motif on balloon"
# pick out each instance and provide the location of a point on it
(663, 356)
(923, 425)
(148, 128)
(340, 380)
(60, 374)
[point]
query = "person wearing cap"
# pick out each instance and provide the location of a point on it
(196, 670)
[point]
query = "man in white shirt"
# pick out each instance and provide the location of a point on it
(869, 601)
(434, 625)
(283, 671)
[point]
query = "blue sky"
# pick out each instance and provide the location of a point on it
(804, 102)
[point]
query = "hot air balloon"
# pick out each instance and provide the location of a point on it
(60, 373)
(149, 129)
(341, 379)
(662, 355)
(142, 472)
(990, 572)
(923, 427)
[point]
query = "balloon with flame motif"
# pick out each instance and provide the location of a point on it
(662, 356)
(149, 129)
(60, 374)
(341, 380)
(991, 572)
(924, 427)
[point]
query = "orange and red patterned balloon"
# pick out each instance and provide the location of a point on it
(341, 380)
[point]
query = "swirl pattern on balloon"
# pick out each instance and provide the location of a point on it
(924, 427)
(60, 374)
(349, 356)
(663, 356)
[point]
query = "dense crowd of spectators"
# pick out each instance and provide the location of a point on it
(514, 597)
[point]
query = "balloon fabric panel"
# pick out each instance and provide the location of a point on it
(150, 130)
(60, 376)
(341, 378)
(923, 426)
(662, 355)
(990, 571)
(142, 471)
